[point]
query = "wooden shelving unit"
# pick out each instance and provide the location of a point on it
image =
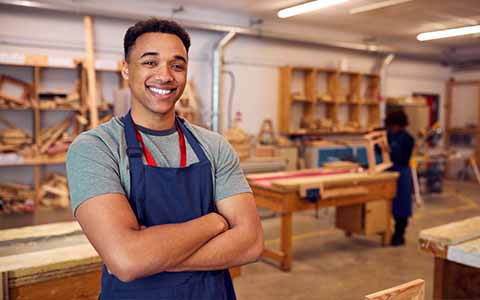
(37, 63)
(322, 95)
(449, 130)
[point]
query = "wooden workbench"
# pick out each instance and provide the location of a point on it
(363, 202)
(53, 261)
(456, 250)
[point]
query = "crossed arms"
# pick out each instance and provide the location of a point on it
(231, 237)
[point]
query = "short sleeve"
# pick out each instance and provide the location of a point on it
(92, 170)
(229, 177)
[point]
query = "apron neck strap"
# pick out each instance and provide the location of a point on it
(136, 147)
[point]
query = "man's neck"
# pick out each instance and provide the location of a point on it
(154, 121)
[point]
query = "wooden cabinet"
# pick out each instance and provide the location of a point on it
(313, 100)
(367, 218)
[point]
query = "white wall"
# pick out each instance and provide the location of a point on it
(253, 61)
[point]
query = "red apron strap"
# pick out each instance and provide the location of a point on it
(148, 156)
(183, 147)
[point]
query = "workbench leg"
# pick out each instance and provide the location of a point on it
(438, 275)
(387, 235)
(286, 241)
(4, 292)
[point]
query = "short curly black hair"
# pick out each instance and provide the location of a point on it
(153, 25)
(396, 117)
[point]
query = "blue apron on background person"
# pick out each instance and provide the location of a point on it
(401, 147)
(161, 195)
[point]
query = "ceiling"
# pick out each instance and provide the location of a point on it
(402, 21)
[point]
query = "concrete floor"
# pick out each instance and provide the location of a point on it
(327, 265)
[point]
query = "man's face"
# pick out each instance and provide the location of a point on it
(156, 69)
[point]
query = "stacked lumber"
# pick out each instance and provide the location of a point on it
(12, 138)
(55, 139)
(16, 198)
(54, 191)
(58, 100)
(14, 93)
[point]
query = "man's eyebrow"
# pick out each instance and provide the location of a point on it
(149, 53)
(180, 57)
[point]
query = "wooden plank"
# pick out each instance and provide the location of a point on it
(413, 290)
(453, 233)
(90, 67)
(332, 180)
(29, 264)
(39, 231)
(467, 253)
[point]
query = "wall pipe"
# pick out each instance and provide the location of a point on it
(217, 82)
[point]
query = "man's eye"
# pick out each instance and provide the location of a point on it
(149, 63)
(178, 67)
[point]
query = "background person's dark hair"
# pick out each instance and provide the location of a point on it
(153, 25)
(397, 117)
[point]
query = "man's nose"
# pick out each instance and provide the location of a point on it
(163, 73)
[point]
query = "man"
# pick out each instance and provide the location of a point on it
(163, 202)
(401, 148)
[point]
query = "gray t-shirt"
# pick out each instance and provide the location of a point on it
(97, 162)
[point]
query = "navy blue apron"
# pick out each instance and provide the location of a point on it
(162, 195)
(400, 152)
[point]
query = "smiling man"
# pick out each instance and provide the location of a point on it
(164, 202)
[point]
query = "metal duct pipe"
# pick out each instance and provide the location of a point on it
(217, 82)
(387, 60)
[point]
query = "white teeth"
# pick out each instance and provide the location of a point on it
(160, 91)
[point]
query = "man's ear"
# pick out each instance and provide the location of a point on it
(125, 70)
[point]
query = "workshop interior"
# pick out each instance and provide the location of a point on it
(355, 123)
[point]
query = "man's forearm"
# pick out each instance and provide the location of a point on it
(158, 248)
(237, 246)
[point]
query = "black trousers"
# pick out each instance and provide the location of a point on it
(401, 224)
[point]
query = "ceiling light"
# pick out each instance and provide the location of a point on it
(433, 35)
(307, 7)
(377, 5)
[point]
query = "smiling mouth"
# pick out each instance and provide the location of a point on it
(161, 92)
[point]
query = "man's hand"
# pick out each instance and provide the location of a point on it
(242, 243)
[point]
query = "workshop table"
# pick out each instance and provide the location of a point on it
(53, 261)
(363, 202)
(456, 250)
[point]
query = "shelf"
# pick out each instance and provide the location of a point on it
(38, 161)
(16, 108)
(464, 130)
(301, 98)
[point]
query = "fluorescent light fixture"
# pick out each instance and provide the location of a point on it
(307, 7)
(377, 5)
(441, 34)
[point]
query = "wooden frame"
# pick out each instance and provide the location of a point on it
(378, 138)
(27, 89)
(413, 290)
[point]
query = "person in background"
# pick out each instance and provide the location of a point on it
(401, 148)
(164, 202)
